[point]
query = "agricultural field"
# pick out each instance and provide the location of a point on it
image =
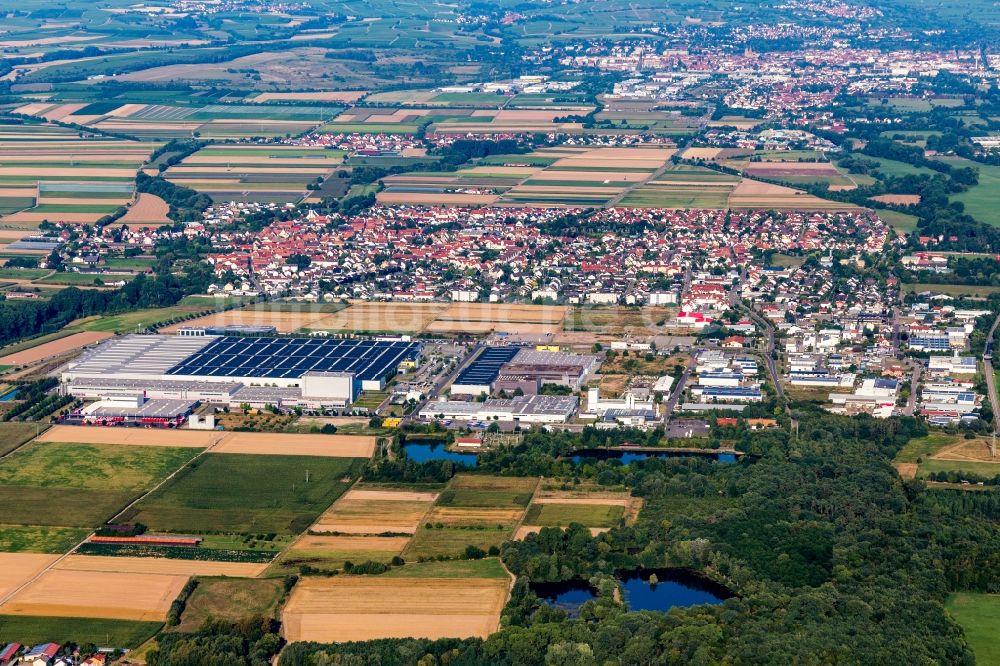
(80, 485)
(480, 511)
(979, 615)
(367, 511)
(950, 289)
(981, 201)
(38, 539)
(559, 177)
(162, 122)
(246, 494)
(51, 173)
(654, 121)
(754, 194)
(683, 186)
(940, 452)
(94, 594)
(330, 553)
(55, 348)
(797, 168)
(618, 320)
(277, 174)
(285, 317)
(449, 119)
(351, 608)
(230, 599)
(82, 631)
(14, 434)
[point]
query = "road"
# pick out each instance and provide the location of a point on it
(675, 397)
(911, 403)
(443, 382)
(768, 327)
(991, 383)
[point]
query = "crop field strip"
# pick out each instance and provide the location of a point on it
(480, 511)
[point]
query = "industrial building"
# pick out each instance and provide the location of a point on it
(522, 409)
(512, 368)
(306, 372)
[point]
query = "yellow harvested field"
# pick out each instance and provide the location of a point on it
(597, 176)
(126, 110)
(54, 348)
(60, 112)
(115, 596)
(363, 494)
(16, 569)
(473, 516)
(755, 194)
(898, 199)
(267, 443)
(260, 443)
(359, 608)
(442, 198)
(505, 312)
(331, 96)
(72, 172)
(130, 436)
(159, 565)
(285, 322)
(363, 511)
(148, 209)
(376, 316)
(701, 153)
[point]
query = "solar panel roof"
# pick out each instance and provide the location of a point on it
(487, 367)
(286, 358)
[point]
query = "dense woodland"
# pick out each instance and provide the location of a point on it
(832, 558)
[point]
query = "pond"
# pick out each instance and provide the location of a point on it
(422, 452)
(9, 395)
(631, 456)
(568, 595)
(675, 588)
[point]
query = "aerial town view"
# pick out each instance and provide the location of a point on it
(525, 332)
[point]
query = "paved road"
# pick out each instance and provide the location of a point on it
(772, 370)
(443, 382)
(911, 403)
(675, 397)
(991, 384)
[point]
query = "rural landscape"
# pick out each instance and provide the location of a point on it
(526, 333)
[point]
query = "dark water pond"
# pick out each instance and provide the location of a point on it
(424, 451)
(674, 589)
(630, 456)
(568, 595)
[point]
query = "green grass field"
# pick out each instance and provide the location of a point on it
(924, 447)
(13, 435)
(38, 539)
(899, 221)
(24, 273)
(951, 289)
(451, 541)
(971, 467)
(247, 494)
(76, 279)
(106, 633)
(487, 492)
(80, 485)
(559, 515)
(230, 599)
(981, 201)
(91, 466)
(979, 615)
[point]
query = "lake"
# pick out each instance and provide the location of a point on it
(9, 395)
(631, 456)
(422, 452)
(675, 588)
(568, 595)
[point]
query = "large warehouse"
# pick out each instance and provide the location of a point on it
(326, 370)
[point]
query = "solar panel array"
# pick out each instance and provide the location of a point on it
(487, 367)
(292, 357)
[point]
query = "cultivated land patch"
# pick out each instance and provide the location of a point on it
(286, 321)
(357, 608)
(16, 569)
(361, 511)
(131, 436)
(401, 317)
(54, 348)
(80, 485)
(119, 596)
(159, 565)
(39, 539)
(230, 599)
(336, 446)
(148, 209)
(82, 631)
(480, 511)
(247, 494)
(754, 194)
(329, 553)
